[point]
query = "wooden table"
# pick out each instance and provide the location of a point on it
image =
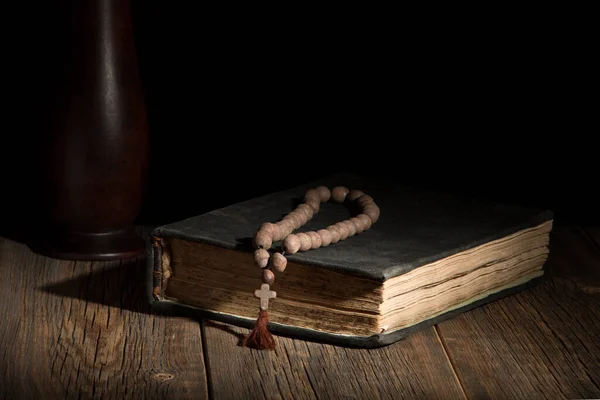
(84, 330)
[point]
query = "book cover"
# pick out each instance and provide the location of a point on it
(418, 230)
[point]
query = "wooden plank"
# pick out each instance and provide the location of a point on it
(416, 367)
(84, 330)
(543, 342)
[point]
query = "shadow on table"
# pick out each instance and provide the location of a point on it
(122, 284)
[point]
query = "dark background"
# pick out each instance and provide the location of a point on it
(237, 109)
(236, 113)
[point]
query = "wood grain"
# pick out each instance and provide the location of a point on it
(414, 368)
(541, 343)
(84, 330)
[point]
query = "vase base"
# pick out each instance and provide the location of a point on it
(92, 246)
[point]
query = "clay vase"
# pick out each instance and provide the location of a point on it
(97, 149)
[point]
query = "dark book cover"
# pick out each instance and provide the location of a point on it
(416, 227)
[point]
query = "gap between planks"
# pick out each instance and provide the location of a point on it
(438, 334)
(209, 386)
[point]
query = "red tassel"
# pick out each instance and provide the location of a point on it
(260, 338)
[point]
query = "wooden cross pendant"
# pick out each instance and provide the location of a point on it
(264, 294)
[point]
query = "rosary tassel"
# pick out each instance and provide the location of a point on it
(260, 338)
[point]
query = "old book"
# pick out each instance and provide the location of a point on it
(429, 257)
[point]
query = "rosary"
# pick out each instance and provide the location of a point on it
(268, 233)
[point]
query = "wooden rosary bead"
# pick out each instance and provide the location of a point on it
(343, 231)
(298, 218)
(339, 193)
(269, 228)
(315, 239)
(292, 244)
(335, 233)
(261, 258)
(305, 241)
(303, 216)
(262, 240)
(373, 212)
(289, 227)
(268, 276)
(312, 195)
(293, 218)
(354, 194)
(325, 237)
(286, 227)
(306, 209)
(315, 204)
(364, 200)
(278, 262)
(363, 207)
(301, 220)
(350, 226)
(366, 220)
(280, 234)
(324, 193)
(360, 226)
(274, 230)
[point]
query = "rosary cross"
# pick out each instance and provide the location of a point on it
(264, 294)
